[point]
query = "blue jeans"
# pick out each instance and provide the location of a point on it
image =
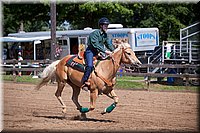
(89, 54)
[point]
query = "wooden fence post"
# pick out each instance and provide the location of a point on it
(148, 80)
(14, 70)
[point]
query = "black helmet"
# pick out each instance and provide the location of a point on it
(104, 21)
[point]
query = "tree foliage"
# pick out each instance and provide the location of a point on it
(168, 17)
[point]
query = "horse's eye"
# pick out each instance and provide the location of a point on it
(128, 53)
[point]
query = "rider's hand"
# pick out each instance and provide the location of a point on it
(108, 52)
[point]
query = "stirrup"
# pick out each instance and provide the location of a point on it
(87, 83)
(85, 87)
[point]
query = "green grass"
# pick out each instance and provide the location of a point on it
(125, 82)
(129, 82)
(129, 78)
(26, 79)
(175, 88)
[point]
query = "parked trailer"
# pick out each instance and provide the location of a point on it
(142, 40)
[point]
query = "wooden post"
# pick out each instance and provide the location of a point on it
(53, 28)
(21, 26)
(187, 82)
(148, 80)
(19, 61)
(14, 72)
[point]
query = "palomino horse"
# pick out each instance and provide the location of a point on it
(102, 79)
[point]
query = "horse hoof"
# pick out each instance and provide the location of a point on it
(83, 116)
(64, 111)
(91, 109)
(103, 113)
(64, 115)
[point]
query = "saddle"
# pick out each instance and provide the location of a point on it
(78, 61)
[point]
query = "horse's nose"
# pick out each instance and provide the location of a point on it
(136, 64)
(139, 62)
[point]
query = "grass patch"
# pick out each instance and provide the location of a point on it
(129, 78)
(124, 82)
(24, 78)
(167, 87)
(130, 85)
(128, 82)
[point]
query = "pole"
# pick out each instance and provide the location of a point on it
(34, 50)
(19, 60)
(53, 28)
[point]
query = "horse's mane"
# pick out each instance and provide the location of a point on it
(120, 45)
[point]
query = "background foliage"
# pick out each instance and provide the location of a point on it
(168, 17)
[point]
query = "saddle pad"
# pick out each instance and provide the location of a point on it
(76, 65)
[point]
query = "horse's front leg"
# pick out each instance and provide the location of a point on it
(110, 108)
(113, 96)
(93, 97)
(112, 93)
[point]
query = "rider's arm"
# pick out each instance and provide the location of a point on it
(109, 45)
(95, 40)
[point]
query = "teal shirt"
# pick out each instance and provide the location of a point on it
(98, 40)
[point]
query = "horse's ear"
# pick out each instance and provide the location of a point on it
(115, 42)
(115, 45)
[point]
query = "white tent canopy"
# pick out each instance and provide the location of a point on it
(20, 39)
(36, 40)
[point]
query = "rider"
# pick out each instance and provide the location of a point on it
(97, 41)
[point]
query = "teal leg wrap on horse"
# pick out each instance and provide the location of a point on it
(110, 108)
(84, 110)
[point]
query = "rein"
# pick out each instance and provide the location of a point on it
(108, 82)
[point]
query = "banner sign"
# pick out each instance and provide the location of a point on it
(146, 39)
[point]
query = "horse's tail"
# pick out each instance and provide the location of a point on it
(47, 74)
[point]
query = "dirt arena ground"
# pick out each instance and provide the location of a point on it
(39, 111)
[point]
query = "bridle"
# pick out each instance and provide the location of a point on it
(123, 51)
(108, 82)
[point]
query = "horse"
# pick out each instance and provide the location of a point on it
(102, 79)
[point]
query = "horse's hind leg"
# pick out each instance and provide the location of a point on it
(75, 94)
(58, 95)
(61, 70)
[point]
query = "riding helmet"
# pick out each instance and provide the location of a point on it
(103, 21)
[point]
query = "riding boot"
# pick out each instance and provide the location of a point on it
(85, 87)
(85, 78)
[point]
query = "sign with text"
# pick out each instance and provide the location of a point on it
(146, 39)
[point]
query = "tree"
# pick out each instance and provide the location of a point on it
(31, 15)
(168, 17)
(88, 14)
